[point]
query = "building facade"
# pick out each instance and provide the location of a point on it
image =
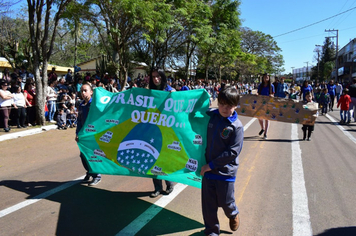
(346, 63)
(301, 74)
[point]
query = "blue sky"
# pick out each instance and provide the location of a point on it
(275, 17)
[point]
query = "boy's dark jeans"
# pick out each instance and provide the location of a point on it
(217, 193)
(86, 167)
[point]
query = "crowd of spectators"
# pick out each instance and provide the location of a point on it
(63, 94)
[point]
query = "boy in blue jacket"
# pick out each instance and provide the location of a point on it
(224, 143)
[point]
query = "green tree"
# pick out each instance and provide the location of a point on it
(222, 47)
(43, 32)
(122, 20)
(77, 40)
(327, 61)
(325, 57)
(14, 41)
(264, 48)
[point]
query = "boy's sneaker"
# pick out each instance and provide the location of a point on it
(265, 136)
(309, 139)
(95, 181)
(169, 190)
(261, 132)
(155, 194)
(234, 223)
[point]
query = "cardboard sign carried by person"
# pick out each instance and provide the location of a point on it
(278, 109)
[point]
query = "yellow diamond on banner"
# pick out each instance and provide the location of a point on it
(246, 102)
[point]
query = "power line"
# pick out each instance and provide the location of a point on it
(315, 23)
(312, 36)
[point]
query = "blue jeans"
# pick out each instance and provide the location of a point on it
(324, 110)
(71, 122)
(343, 115)
(214, 95)
(337, 97)
(51, 105)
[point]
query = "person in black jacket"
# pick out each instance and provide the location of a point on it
(158, 81)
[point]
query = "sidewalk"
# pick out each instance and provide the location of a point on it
(17, 133)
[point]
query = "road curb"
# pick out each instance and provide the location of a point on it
(27, 132)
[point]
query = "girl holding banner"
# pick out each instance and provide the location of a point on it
(266, 88)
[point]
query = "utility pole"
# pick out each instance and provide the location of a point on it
(307, 69)
(318, 51)
(337, 49)
(292, 72)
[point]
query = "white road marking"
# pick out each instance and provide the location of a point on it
(39, 197)
(301, 217)
(136, 225)
(347, 133)
(249, 123)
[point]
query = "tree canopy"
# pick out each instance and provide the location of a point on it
(184, 35)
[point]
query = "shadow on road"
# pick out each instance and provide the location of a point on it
(326, 122)
(92, 211)
(344, 231)
(258, 138)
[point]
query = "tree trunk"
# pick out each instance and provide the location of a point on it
(187, 61)
(75, 44)
(41, 93)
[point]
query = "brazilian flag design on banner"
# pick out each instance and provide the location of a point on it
(147, 133)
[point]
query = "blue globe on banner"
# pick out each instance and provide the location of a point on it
(140, 149)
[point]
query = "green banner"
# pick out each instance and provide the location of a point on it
(147, 133)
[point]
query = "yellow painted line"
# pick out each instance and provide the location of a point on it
(245, 185)
(250, 172)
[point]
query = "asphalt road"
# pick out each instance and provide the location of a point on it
(285, 186)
